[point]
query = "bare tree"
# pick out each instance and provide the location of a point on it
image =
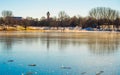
(106, 14)
(7, 13)
(63, 18)
(117, 23)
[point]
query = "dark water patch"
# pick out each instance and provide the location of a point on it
(10, 60)
(83, 73)
(32, 65)
(100, 73)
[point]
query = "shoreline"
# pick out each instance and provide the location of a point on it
(80, 34)
(52, 29)
(59, 31)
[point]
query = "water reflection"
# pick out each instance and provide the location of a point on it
(7, 43)
(97, 43)
(104, 44)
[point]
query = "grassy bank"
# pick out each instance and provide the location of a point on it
(46, 29)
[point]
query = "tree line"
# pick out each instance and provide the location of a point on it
(96, 19)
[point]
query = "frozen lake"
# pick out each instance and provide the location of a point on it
(86, 53)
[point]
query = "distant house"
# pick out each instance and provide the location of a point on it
(89, 29)
(107, 27)
(17, 18)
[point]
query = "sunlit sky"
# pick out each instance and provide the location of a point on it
(38, 8)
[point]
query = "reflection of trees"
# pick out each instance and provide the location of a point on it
(52, 41)
(98, 43)
(105, 44)
(60, 40)
(7, 41)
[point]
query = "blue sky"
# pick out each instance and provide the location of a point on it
(38, 8)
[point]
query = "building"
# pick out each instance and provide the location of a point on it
(17, 18)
